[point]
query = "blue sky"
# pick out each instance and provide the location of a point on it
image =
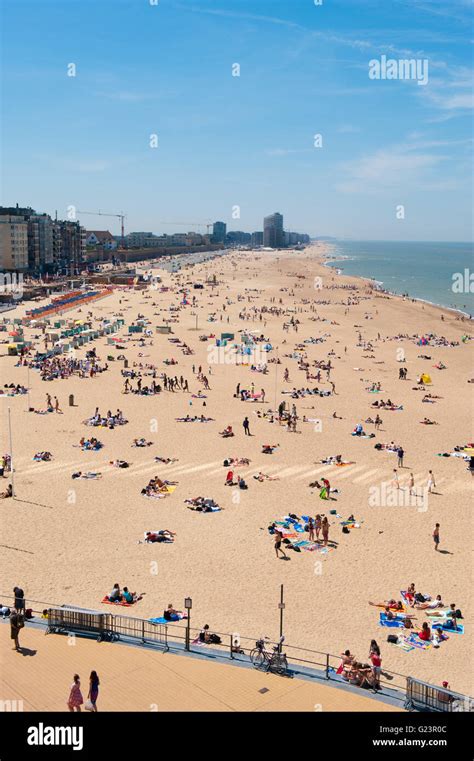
(247, 141)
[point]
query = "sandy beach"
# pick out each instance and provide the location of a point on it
(68, 541)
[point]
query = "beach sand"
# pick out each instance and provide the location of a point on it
(66, 541)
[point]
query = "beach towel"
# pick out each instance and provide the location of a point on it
(121, 602)
(459, 630)
(391, 624)
(392, 607)
(404, 645)
(414, 640)
(161, 620)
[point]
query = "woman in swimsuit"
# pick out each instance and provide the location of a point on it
(317, 526)
(278, 538)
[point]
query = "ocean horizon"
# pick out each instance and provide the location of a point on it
(427, 270)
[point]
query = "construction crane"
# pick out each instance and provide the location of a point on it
(189, 224)
(104, 214)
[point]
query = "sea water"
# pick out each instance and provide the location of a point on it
(436, 272)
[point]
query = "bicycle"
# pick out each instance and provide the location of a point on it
(274, 661)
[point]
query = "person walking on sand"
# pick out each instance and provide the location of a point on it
(278, 538)
(93, 693)
(56, 405)
(436, 536)
(411, 485)
(75, 699)
(246, 426)
(431, 482)
(400, 455)
(16, 623)
(395, 480)
(317, 526)
(325, 530)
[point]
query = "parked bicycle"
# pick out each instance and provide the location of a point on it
(269, 660)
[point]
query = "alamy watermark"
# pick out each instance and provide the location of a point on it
(403, 68)
(463, 282)
(225, 355)
(388, 494)
(12, 283)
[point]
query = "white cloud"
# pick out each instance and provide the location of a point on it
(347, 129)
(392, 168)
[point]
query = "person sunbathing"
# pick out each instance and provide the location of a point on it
(227, 432)
(43, 456)
(432, 605)
(171, 614)
(129, 597)
(269, 448)
(119, 463)
(141, 443)
(7, 493)
(88, 475)
(164, 535)
(410, 595)
(427, 421)
(393, 604)
(425, 633)
(202, 504)
(115, 595)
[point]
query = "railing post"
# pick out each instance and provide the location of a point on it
(231, 647)
(143, 631)
(327, 666)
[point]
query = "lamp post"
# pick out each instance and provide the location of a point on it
(11, 452)
(188, 604)
(281, 606)
(28, 387)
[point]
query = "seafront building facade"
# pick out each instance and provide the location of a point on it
(273, 234)
(13, 243)
(219, 231)
(51, 245)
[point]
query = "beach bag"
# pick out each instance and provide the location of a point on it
(88, 705)
(458, 614)
(215, 639)
(345, 530)
(29, 613)
(419, 597)
(392, 638)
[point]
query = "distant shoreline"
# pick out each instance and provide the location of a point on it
(331, 262)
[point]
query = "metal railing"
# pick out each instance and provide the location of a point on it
(414, 694)
(422, 696)
(85, 622)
